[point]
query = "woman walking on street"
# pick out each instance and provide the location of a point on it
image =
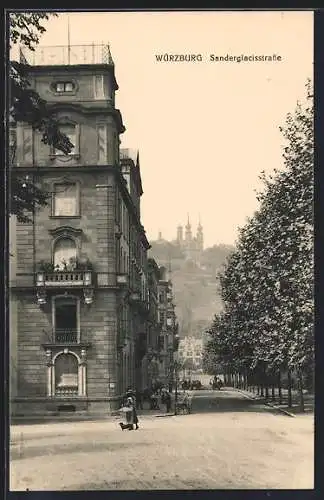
(131, 395)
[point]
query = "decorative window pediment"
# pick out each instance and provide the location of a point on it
(65, 232)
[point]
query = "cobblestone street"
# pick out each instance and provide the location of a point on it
(228, 442)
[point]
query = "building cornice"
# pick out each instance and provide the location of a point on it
(38, 169)
(93, 108)
(87, 68)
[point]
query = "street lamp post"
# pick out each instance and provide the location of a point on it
(176, 391)
(175, 370)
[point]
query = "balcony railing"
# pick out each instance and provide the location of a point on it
(65, 336)
(66, 391)
(67, 55)
(65, 278)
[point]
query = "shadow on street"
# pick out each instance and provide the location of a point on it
(226, 401)
(69, 447)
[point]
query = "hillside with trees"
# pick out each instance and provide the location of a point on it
(195, 286)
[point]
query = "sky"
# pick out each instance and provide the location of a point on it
(204, 129)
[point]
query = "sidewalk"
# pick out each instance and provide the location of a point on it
(81, 417)
(309, 401)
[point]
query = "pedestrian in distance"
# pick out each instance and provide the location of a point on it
(166, 400)
(154, 401)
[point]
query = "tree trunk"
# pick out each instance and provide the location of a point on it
(261, 376)
(266, 389)
(247, 385)
(300, 390)
(279, 387)
(289, 390)
(272, 391)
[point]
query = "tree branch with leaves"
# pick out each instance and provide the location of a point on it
(267, 283)
(26, 106)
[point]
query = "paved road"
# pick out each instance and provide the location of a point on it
(228, 442)
(225, 400)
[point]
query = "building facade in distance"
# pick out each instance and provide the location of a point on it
(191, 245)
(168, 342)
(191, 352)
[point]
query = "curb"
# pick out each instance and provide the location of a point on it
(165, 415)
(266, 403)
(40, 420)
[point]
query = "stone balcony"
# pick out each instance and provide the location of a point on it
(83, 280)
(64, 279)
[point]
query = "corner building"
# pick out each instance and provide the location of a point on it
(81, 266)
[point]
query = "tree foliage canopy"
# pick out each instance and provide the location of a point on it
(267, 283)
(26, 106)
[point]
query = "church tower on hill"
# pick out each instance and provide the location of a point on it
(192, 246)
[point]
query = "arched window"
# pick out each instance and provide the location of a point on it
(64, 251)
(66, 375)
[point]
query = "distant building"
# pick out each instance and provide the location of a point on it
(150, 363)
(192, 246)
(168, 340)
(191, 351)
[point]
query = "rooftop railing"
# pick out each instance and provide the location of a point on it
(67, 55)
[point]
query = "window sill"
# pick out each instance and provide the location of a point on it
(64, 92)
(65, 216)
(75, 156)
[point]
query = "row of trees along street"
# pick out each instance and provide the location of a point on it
(264, 334)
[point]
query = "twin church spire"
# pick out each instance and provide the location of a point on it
(192, 245)
(188, 237)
